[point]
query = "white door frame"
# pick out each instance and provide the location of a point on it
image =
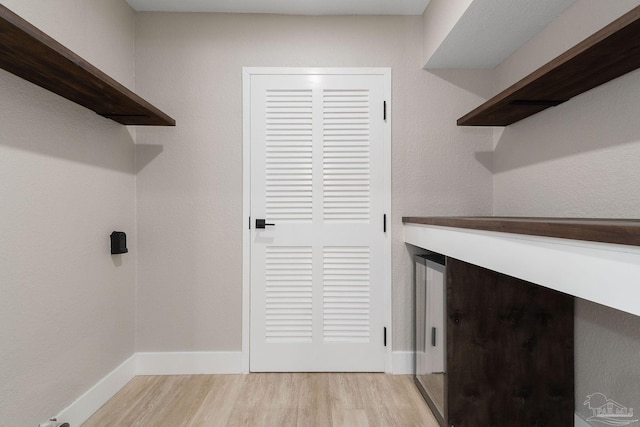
(247, 72)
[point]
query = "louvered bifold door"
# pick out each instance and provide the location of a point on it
(316, 175)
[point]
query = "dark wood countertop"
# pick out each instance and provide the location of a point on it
(606, 230)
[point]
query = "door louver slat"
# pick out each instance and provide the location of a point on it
(346, 161)
(289, 294)
(289, 160)
(346, 294)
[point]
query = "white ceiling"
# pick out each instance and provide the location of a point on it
(491, 30)
(288, 7)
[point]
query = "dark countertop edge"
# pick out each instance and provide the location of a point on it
(604, 230)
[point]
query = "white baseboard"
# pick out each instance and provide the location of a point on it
(579, 422)
(189, 363)
(403, 363)
(84, 406)
(175, 363)
(182, 363)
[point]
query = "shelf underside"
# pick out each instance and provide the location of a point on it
(610, 53)
(34, 56)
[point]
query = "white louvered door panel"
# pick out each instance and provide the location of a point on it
(346, 301)
(289, 144)
(346, 127)
(289, 289)
(317, 301)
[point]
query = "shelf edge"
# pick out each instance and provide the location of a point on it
(15, 32)
(508, 95)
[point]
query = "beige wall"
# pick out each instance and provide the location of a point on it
(579, 159)
(190, 179)
(66, 181)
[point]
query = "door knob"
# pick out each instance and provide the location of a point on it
(262, 223)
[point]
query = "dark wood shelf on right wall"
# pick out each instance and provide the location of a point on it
(609, 53)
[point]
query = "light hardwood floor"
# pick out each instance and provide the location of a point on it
(300, 399)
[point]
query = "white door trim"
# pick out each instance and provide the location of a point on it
(247, 72)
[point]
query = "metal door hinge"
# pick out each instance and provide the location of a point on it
(385, 336)
(384, 110)
(384, 223)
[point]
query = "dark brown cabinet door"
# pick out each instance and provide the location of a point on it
(509, 351)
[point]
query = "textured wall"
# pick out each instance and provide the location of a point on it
(579, 159)
(190, 179)
(66, 181)
(439, 18)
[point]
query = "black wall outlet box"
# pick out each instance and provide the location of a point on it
(119, 242)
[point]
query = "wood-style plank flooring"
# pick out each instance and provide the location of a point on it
(282, 399)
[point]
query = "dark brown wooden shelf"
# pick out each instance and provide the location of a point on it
(609, 53)
(619, 231)
(34, 56)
